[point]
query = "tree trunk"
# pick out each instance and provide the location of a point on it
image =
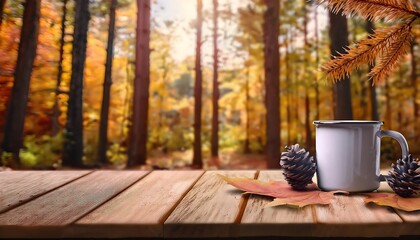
(247, 110)
(73, 148)
(339, 41)
(374, 104)
(388, 116)
(271, 71)
(15, 118)
(288, 91)
(317, 115)
(295, 91)
(361, 90)
(2, 4)
(363, 94)
(127, 104)
(56, 110)
(137, 153)
(198, 88)
(158, 142)
(370, 27)
(215, 119)
(308, 130)
(364, 85)
(413, 76)
(103, 126)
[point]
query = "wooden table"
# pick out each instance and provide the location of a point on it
(175, 204)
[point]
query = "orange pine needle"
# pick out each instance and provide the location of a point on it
(373, 10)
(364, 52)
(389, 44)
(390, 59)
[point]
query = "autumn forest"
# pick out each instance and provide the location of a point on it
(214, 84)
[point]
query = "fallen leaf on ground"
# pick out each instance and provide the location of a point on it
(393, 200)
(282, 192)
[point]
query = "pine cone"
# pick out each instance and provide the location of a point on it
(404, 177)
(298, 166)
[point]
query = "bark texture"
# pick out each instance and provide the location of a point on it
(73, 148)
(106, 93)
(198, 89)
(370, 28)
(272, 71)
(137, 152)
(15, 118)
(215, 118)
(56, 110)
(339, 40)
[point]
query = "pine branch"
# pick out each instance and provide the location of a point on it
(364, 52)
(373, 10)
(392, 56)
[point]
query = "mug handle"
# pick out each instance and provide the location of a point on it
(400, 139)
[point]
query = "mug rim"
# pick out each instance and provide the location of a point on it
(333, 122)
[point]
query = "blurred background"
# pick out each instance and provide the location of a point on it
(216, 52)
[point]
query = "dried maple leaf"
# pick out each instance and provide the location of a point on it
(282, 192)
(393, 200)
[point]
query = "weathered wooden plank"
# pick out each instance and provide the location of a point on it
(259, 220)
(210, 209)
(18, 187)
(140, 210)
(411, 220)
(349, 216)
(49, 214)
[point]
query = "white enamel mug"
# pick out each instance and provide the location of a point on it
(348, 153)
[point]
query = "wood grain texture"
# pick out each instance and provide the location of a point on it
(140, 210)
(411, 225)
(106, 203)
(210, 208)
(350, 216)
(18, 187)
(66, 204)
(259, 220)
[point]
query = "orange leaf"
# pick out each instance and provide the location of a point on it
(395, 201)
(283, 193)
(271, 188)
(305, 198)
